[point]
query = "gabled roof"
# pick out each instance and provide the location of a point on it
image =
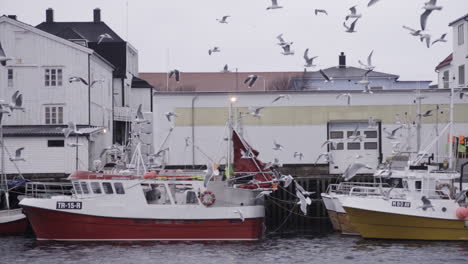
(348, 73)
(45, 130)
(445, 62)
(465, 17)
(70, 33)
(89, 30)
(140, 83)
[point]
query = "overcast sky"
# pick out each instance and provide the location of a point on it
(178, 33)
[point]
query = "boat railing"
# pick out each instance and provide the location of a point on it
(366, 191)
(346, 187)
(47, 190)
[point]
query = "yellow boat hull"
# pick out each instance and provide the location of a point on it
(372, 224)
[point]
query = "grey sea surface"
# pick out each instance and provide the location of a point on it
(331, 248)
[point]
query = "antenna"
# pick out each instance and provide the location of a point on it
(126, 18)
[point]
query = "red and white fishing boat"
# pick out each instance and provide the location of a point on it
(158, 205)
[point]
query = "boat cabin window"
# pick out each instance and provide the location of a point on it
(119, 189)
(96, 187)
(76, 186)
(417, 185)
(156, 194)
(191, 197)
(107, 186)
(84, 187)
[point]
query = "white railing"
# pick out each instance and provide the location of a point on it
(47, 190)
(122, 113)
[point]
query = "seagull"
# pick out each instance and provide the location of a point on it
(353, 14)
(214, 49)
(176, 74)
(169, 115)
(275, 163)
(333, 143)
(317, 11)
(413, 32)
(281, 96)
(16, 102)
(350, 29)
(327, 79)
(255, 111)
(328, 157)
(139, 115)
(97, 81)
(262, 194)
(426, 114)
(161, 153)
(426, 204)
(18, 155)
(226, 68)
(287, 180)
(247, 154)
(391, 134)
(71, 128)
(441, 39)
(429, 7)
(301, 189)
(187, 142)
(104, 36)
(250, 81)
(223, 20)
(274, 5)
(277, 146)
(77, 79)
(3, 57)
(372, 2)
(352, 170)
(287, 50)
(345, 95)
(309, 61)
(299, 155)
(208, 175)
(282, 42)
(426, 37)
(369, 65)
(302, 201)
(372, 122)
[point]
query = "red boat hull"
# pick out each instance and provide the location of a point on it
(18, 227)
(57, 225)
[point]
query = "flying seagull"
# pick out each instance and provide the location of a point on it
(277, 146)
(281, 96)
(429, 7)
(391, 134)
(426, 114)
(353, 14)
(350, 29)
(139, 115)
(176, 74)
(372, 123)
(275, 163)
(214, 49)
(287, 50)
(426, 204)
(369, 65)
(426, 37)
(241, 215)
(71, 128)
(77, 79)
(250, 81)
(317, 11)
(223, 20)
(441, 39)
(327, 156)
(302, 201)
(413, 32)
(325, 76)
(15, 104)
(274, 5)
(299, 155)
(372, 2)
(104, 36)
(3, 57)
(309, 61)
(169, 115)
(287, 180)
(18, 155)
(255, 111)
(281, 40)
(352, 170)
(348, 95)
(327, 142)
(208, 175)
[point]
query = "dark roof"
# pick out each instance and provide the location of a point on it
(458, 19)
(445, 62)
(89, 30)
(70, 33)
(140, 83)
(45, 130)
(348, 72)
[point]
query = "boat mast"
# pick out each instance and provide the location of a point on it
(452, 93)
(233, 99)
(3, 182)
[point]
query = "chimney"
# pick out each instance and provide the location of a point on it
(97, 15)
(12, 17)
(49, 15)
(342, 61)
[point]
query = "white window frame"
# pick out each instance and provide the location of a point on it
(53, 114)
(53, 76)
(10, 77)
(461, 74)
(461, 34)
(446, 79)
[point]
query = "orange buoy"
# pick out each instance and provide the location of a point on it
(462, 213)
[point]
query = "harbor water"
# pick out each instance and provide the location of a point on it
(329, 248)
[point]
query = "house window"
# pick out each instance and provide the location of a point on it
(55, 143)
(461, 34)
(446, 79)
(461, 74)
(354, 146)
(53, 115)
(53, 77)
(370, 145)
(336, 134)
(370, 134)
(10, 77)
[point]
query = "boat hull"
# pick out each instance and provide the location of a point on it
(58, 225)
(13, 222)
(374, 224)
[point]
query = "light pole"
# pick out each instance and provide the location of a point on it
(233, 100)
